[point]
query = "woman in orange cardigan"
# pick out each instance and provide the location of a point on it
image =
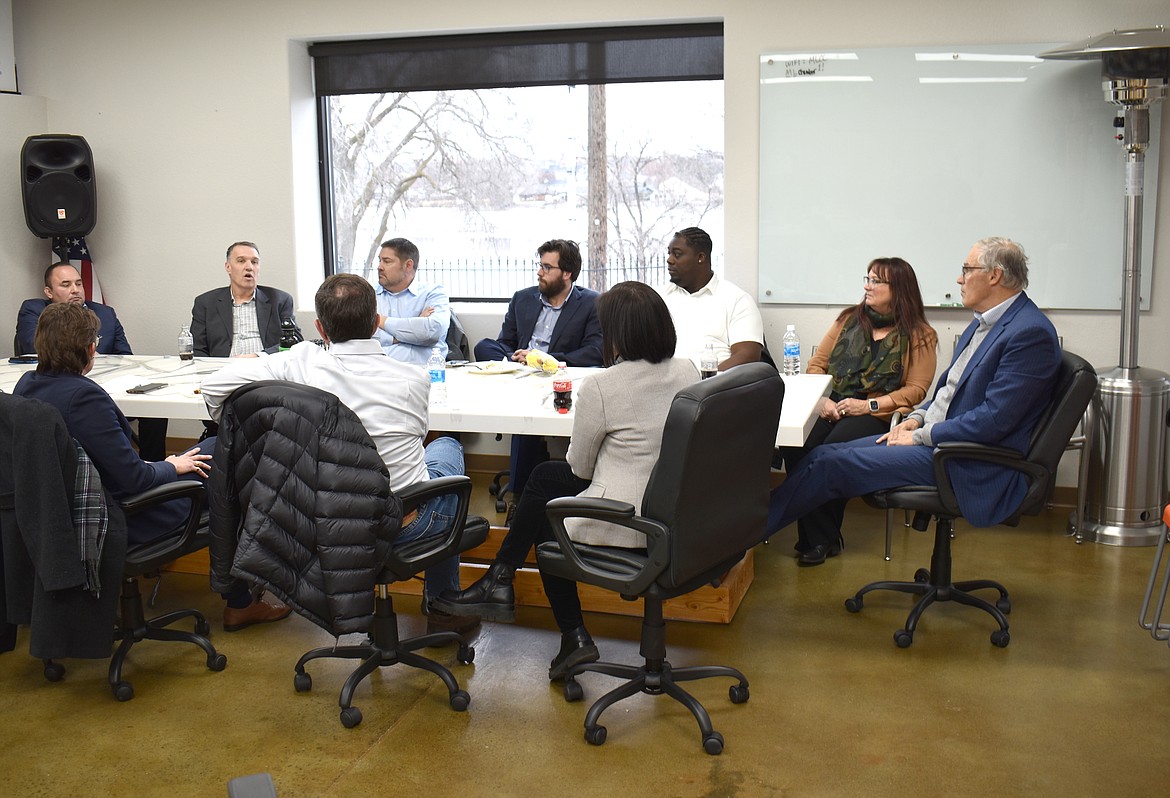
(881, 355)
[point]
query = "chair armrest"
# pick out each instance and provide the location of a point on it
(405, 556)
(1038, 475)
(162, 493)
(419, 493)
(619, 514)
(169, 548)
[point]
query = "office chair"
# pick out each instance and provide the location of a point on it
(705, 505)
(147, 559)
(407, 561)
(457, 345)
(37, 488)
(1076, 380)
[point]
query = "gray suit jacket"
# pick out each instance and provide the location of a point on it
(617, 432)
(211, 319)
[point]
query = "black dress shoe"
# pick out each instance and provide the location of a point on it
(818, 554)
(576, 647)
(491, 596)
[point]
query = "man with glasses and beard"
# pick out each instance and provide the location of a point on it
(554, 316)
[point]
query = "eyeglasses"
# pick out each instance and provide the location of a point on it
(545, 267)
(968, 269)
(874, 281)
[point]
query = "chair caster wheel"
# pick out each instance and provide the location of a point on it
(903, 638)
(922, 575)
(1004, 605)
(501, 506)
(302, 682)
(573, 690)
(739, 693)
(202, 627)
(460, 700)
(123, 691)
(595, 735)
(466, 654)
(217, 662)
(854, 604)
(713, 743)
(350, 717)
(54, 671)
(1001, 637)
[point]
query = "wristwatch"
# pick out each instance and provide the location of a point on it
(873, 405)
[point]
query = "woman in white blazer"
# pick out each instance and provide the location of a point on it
(617, 431)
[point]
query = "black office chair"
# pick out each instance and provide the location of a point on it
(40, 463)
(302, 506)
(1072, 391)
(705, 505)
(147, 559)
(406, 561)
(457, 345)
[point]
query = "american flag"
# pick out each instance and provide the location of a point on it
(76, 251)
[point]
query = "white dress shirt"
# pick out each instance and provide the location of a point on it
(391, 398)
(720, 313)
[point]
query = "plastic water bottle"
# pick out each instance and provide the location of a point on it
(791, 350)
(709, 365)
(186, 344)
(437, 368)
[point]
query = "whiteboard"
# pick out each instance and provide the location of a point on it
(883, 152)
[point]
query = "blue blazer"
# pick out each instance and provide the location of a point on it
(97, 424)
(113, 336)
(576, 338)
(1005, 388)
(212, 326)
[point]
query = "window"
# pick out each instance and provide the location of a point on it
(478, 148)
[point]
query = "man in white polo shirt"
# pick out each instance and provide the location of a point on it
(707, 309)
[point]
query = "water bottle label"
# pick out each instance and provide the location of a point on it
(438, 375)
(791, 350)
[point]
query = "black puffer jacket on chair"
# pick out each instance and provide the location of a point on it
(300, 503)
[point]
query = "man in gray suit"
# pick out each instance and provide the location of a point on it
(244, 318)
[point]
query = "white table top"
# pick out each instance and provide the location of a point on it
(489, 403)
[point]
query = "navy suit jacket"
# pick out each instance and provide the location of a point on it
(113, 336)
(97, 424)
(1005, 389)
(212, 326)
(576, 338)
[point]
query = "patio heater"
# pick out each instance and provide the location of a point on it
(1126, 427)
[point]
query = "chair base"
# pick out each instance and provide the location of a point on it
(935, 585)
(133, 628)
(384, 648)
(654, 677)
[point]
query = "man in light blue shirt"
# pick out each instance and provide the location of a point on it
(412, 316)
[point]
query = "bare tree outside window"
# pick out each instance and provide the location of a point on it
(479, 178)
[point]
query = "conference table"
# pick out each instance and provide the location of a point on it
(492, 400)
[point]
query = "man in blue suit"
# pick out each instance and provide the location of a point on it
(994, 392)
(63, 284)
(554, 316)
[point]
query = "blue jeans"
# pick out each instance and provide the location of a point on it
(444, 458)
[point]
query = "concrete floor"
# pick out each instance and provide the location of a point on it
(1078, 704)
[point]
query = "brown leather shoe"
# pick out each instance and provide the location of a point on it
(259, 611)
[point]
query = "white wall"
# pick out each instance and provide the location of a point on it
(199, 118)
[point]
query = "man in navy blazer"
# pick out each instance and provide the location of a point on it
(257, 310)
(994, 392)
(554, 316)
(63, 284)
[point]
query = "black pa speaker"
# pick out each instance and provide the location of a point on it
(60, 190)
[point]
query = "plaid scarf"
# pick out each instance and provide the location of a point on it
(91, 519)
